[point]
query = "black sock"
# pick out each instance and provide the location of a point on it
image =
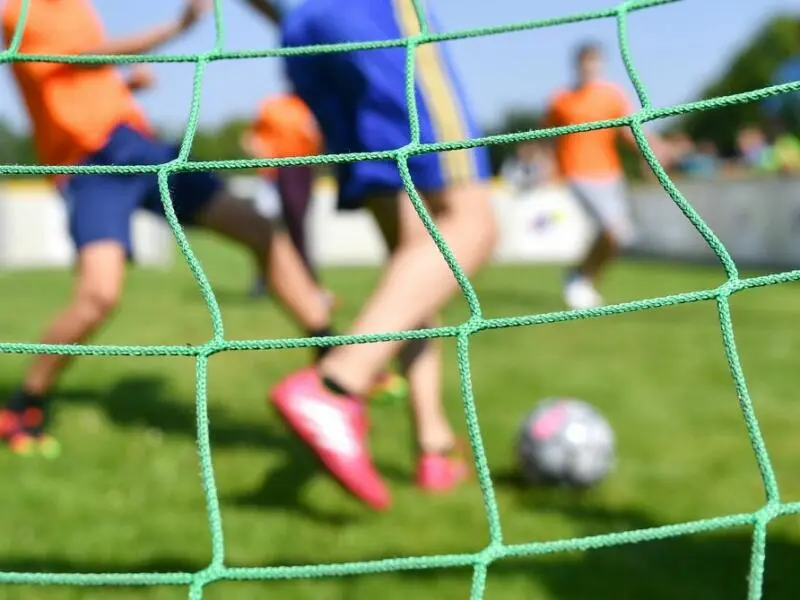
(34, 410)
(320, 351)
(23, 400)
(334, 387)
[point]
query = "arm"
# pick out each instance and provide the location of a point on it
(266, 9)
(150, 39)
(660, 149)
(39, 39)
(253, 146)
(141, 77)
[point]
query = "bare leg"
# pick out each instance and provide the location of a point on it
(284, 271)
(416, 283)
(421, 364)
(602, 252)
(294, 190)
(100, 277)
(420, 360)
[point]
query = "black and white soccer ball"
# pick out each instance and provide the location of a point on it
(565, 442)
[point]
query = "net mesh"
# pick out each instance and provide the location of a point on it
(496, 549)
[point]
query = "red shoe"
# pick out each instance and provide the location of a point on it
(439, 473)
(17, 432)
(335, 427)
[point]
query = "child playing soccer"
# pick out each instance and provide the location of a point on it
(359, 100)
(591, 165)
(284, 127)
(86, 115)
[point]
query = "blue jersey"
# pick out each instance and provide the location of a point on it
(360, 99)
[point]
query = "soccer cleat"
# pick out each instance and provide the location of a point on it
(438, 473)
(579, 293)
(335, 428)
(20, 431)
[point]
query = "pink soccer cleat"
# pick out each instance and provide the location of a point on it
(439, 473)
(335, 427)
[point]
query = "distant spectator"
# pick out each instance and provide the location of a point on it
(783, 117)
(754, 150)
(786, 154)
(531, 166)
(783, 110)
(693, 160)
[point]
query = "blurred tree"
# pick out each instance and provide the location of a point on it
(753, 67)
(15, 148)
(221, 143)
(514, 121)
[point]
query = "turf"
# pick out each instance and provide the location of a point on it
(126, 495)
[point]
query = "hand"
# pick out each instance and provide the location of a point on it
(141, 77)
(192, 12)
(247, 143)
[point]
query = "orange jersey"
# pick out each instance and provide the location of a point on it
(73, 110)
(590, 154)
(285, 127)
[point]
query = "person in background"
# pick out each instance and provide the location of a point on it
(530, 166)
(754, 150)
(285, 127)
(591, 165)
(692, 159)
(782, 112)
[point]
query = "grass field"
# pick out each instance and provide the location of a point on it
(126, 494)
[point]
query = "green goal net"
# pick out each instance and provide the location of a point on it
(496, 549)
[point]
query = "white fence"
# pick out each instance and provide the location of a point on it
(758, 221)
(546, 227)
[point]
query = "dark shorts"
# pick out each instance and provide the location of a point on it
(359, 98)
(100, 206)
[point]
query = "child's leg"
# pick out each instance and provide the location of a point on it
(416, 283)
(284, 270)
(420, 360)
(294, 190)
(100, 210)
(98, 288)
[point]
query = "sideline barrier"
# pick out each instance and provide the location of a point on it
(33, 231)
(758, 221)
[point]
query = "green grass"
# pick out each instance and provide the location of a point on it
(126, 494)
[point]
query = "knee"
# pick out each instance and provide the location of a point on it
(95, 306)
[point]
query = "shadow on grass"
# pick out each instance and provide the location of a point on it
(147, 402)
(708, 567)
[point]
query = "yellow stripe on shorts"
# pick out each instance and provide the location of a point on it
(440, 97)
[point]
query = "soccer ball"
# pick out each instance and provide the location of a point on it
(567, 442)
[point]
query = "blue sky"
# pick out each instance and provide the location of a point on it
(676, 48)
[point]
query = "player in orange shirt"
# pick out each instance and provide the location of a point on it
(285, 127)
(590, 164)
(86, 114)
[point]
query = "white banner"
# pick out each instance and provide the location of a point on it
(34, 233)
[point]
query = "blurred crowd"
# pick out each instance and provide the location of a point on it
(532, 164)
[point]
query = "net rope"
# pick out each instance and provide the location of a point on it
(496, 548)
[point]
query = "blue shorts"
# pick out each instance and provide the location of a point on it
(359, 98)
(100, 206)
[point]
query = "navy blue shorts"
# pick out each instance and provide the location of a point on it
(359, 98)
(100, 207)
